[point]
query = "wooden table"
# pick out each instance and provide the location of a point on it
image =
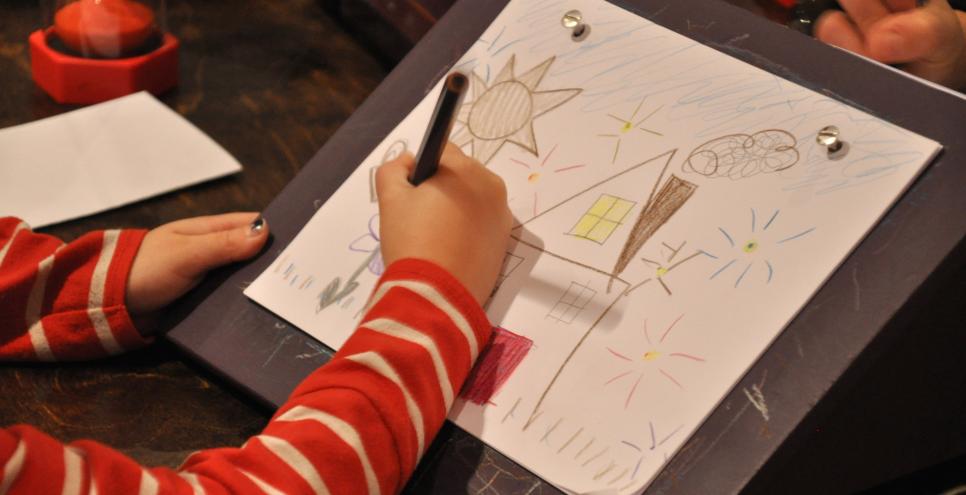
(271, 80)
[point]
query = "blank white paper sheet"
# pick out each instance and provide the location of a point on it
(101, 157)
(675, 213)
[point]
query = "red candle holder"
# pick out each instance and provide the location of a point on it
(97, 50)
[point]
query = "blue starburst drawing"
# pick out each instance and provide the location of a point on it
(752, 254)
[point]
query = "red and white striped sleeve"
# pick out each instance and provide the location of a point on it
(359, 424)
(64, 301)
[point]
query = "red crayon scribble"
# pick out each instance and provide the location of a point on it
(496, 363)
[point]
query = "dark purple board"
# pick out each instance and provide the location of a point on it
(891, 270)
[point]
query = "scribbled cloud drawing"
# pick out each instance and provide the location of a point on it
(536, 173)
(602, 218)
(503, 111)
(752, 248)
(496, 364)
(628, 125)
(739, 156)
(655, 358)
(670, 259)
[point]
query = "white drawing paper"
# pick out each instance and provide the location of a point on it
(675, 213)
(101, 157)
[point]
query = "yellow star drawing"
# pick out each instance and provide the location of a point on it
(504, 111)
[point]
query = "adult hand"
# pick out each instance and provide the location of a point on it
(458, 218)
(174, 257)
(927, 41)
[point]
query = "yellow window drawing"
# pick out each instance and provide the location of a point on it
(602, 218)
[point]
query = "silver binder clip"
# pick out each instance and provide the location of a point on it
(573, 20)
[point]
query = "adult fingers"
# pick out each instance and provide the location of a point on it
(919, 34)
(900, 5)
(211, 223)
(865, 13)
(835, 28)
(197, 254)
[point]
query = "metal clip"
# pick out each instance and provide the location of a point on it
(828, 137)
(572, 20)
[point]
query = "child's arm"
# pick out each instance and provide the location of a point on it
(360, 423)
(75, 301)
(64, 301)
(928, 41)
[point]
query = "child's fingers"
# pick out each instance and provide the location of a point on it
(211, 223)
(835, 28)
(203, 252)
(865, 13)
(394, 174)
(453, 156)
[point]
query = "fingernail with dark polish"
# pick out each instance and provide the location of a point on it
(257, 226)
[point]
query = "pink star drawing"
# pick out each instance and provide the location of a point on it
(654, 358)
(536, 172)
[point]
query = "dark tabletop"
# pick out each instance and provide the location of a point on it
(271, 81)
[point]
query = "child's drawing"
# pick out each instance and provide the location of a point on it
(288, 271)
(606, 256)
(656, 212)
(739, 156)
(510, 263)
(602, 218)
(630, 124)
(672, 258)
(653, 356)
(756, 246)
(496, 363)
(369, 243)
(503, 111)
(638, 172)
(572, 302)
(535, 174)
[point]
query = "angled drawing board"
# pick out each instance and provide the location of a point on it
(267, 357)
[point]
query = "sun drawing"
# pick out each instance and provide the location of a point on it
(754, 250)
(503, 111)
(655, 357)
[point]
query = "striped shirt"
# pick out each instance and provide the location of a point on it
(359, 424)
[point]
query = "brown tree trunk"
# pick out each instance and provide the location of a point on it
(669, 199)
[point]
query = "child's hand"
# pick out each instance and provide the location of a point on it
(174, 257)
(458, 219)
(927, 41)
